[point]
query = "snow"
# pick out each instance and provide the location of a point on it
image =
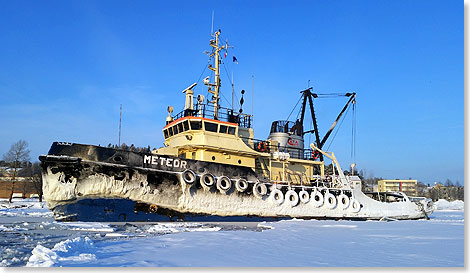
(291, 243)
(42, 242)
(69, 251)
(164, 228)
(443, 204)
(88, 226)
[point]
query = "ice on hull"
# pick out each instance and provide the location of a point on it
(157, 192)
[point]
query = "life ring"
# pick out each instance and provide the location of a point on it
(317, 198)
(304, 196)
(260, 190)
(330, 200)
(241, 185)
(355, 205)
(292, 198)
(261, 147)
(153, 208)
(224, 184)
(277, 196)
(189, 176)
(343, 201)
(315, 155)
(207, 181)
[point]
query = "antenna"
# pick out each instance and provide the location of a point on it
(212, 25)
(252, 87)
(232, 90)
(120, 119)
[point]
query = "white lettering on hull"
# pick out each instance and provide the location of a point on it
(147, 159)
(168, 162)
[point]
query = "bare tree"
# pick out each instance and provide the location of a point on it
(17, 154)
(448, 183)
(37, 179)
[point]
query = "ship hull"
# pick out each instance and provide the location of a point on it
(90, 183)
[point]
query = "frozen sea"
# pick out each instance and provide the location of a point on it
(31, 237)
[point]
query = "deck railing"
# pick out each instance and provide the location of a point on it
(224, 114)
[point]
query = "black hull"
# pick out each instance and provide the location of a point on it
(125, 210)
(92, 183)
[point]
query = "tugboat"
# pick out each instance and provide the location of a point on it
(211, 168)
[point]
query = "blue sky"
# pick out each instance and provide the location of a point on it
(66, 66)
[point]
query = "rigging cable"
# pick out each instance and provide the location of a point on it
(228, 76)
(337, 129)
(294, 108)
(353, 134)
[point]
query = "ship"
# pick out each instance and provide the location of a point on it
(211, 168)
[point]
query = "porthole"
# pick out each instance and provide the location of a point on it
(117, 158)
(239, 161)
(213, 157)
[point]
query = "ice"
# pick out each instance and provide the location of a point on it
(26, 240)
(443, 204)
(289, 243)
(179, 227)
(88, 226)
(42, 257)
(68, 252)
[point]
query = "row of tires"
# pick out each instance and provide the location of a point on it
(317, 198)
(260, 190)
(222, 183)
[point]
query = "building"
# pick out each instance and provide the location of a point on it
(409, 187)
(25, 187)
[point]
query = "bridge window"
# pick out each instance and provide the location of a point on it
(180, 127)
(211, 127)
(165, 132)
(196, 124)
(185, 125)
(231, 130)
(223, 129)
(170, 131)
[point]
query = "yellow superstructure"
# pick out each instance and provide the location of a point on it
(409, 187)
(227, 143)
(203, 134)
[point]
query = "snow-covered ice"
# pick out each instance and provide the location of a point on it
(443, 204)
(70, 251)
(40, 241)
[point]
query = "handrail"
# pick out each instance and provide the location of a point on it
(243, 120)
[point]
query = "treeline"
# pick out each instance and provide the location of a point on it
(448, 190)
(132, 148)
(450, 193)
(18, 161)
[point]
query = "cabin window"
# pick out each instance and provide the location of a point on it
(223, 129)
(175, 129)
(170, 131)
(165, 132)
(180, 127)
(231, 130)
(196, 124)
(185, 125)
(211, 127)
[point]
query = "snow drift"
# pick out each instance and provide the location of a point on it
(443, 204)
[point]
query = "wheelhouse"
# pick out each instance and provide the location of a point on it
(199, 124)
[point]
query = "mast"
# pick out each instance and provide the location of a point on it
(215, 52)
(120, 119)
